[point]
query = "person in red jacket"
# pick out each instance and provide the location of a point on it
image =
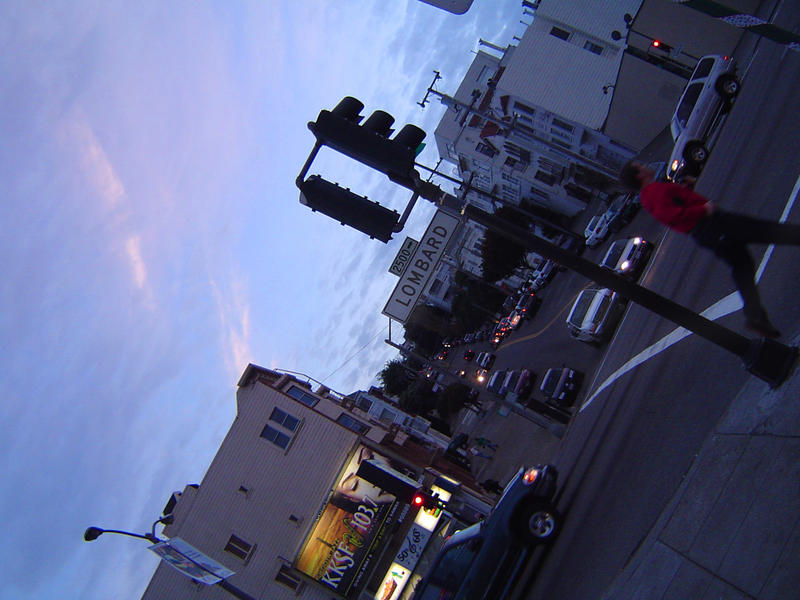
(679, 207)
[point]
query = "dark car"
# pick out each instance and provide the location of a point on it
(482, 560)
(468, 355)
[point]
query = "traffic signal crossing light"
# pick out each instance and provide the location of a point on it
(659, 45)
(423, 499)
(348, 208)
(369, 143)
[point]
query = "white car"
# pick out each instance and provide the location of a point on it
(596, 230)
(627, 257)
(710, 91)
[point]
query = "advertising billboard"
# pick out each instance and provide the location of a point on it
(339, 549)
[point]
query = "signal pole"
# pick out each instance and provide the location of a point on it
(369, 144)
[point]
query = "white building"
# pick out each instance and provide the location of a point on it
(285, 506)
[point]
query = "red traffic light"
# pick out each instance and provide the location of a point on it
(426, 500)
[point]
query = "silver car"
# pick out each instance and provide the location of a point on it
(710, 91)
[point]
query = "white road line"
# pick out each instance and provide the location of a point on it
(727, 305)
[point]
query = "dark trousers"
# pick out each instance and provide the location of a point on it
(728, 234)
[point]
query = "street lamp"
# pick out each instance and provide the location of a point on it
(92, 533)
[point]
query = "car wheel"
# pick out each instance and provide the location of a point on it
(695, 152)
(537, 523)
(727, 86)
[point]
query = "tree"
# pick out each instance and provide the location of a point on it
(452, 399)
(395, 377)
(500, 255)
(418, 398)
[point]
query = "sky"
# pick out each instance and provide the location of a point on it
(153, 243)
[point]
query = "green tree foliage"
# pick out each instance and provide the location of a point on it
(499, 254)
(452, 399)
(395, 377)
(418, 398)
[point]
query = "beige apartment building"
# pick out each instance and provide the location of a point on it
(282, 505)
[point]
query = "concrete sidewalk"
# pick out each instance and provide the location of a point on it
(732, 529)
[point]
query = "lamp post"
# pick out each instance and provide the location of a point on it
(92, 533)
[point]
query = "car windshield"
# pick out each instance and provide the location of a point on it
(703, 68)
(580, 308)
(614, 254)
(549, 383)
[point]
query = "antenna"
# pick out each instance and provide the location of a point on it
(437, 76)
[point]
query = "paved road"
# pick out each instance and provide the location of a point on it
(628, 451)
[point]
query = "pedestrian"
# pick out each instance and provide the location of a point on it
(680, 208)
(475, 451)
(486, 443)
(492, 486)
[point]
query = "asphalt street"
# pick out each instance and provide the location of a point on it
(628, 451)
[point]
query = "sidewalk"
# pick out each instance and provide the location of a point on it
(732, 530)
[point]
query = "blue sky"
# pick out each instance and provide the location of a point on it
(153, 243)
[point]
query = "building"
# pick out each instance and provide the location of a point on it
(285, 503)
(511, 136)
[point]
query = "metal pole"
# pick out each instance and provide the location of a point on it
(766, 359)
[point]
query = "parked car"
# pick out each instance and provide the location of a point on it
(496, 381)
(597, 230)
(524, 384)
(483, 560)
(516, 382)
(595, 314)
(561, 385)
(528, 304)
(627, 257)
(485, 360)
(621, 211)
(709, 93)
(543, 274)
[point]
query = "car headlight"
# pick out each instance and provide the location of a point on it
(624, 266)
(637, 241)
(530, 476)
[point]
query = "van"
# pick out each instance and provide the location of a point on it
(595, 314)
(484, 560)
(561, 385)
(496, 381)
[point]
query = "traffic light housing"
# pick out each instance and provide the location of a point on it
(348, 208)
(426, 500)
(369, 142)
(659, 45)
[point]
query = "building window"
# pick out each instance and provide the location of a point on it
(545, 177)
(524, 108)
(486, 149)
(278, 438)
(352, 424)
(563, 125)
(559, 33)
(286, 577)
(302, 396)
(364, 403)
(592, 47)
(284, 419)
(387, 416)
(238, 547)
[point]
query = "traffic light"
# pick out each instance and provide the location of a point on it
(369, 143)
(659, 45)
(426, 500)
(348, 208)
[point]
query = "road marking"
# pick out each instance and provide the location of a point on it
(727, 305)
